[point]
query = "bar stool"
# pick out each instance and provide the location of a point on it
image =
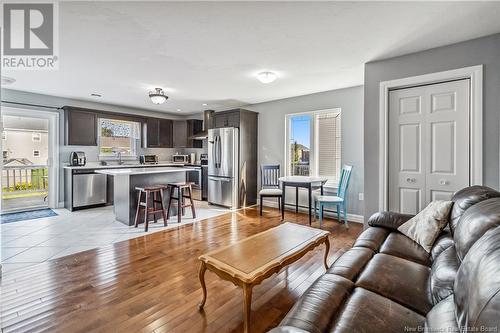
(181, 195)
(151, 194)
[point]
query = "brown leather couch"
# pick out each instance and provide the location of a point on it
(388, 283)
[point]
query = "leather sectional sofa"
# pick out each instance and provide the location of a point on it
(388, 283)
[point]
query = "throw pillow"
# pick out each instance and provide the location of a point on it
(425, 227)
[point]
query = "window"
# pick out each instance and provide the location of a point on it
(314, 144)
(118, 136)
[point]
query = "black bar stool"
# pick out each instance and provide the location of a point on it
(152, 195)
(181, 195)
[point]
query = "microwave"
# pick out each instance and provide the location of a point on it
(180, 158)
(148, 159)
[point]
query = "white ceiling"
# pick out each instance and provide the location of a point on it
(209, 52)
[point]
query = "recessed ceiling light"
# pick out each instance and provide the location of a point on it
(266, 77)
(179, 110)
(7, 80)
(204, 104)
(95, 95)
(158, 96)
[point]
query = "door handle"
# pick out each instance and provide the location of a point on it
(443, 182)
(411, 180)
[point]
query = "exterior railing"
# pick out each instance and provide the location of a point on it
(24, 178)
(300, 169)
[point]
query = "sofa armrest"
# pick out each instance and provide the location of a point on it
(389, 220)
(286, 329)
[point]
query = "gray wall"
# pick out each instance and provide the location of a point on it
(92, 153)
(485, 51)
(272, 132)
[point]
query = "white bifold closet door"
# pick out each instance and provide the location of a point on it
(428, 144)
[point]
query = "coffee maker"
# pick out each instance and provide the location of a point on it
(77, 158)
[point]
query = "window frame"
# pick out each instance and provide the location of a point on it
(112, 156)
(313, 157)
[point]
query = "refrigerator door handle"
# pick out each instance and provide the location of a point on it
(217, 152)
(220, 152)
(225, 180)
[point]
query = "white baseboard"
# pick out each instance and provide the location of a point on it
(328, 213)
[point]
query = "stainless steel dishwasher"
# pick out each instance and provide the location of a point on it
(89, 188)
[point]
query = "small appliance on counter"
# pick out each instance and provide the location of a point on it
(77, 158)
(204, 159)
(148, 159)
(180, 158)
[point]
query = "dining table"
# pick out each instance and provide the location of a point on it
(307, 182)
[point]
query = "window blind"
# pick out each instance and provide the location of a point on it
(329, 147)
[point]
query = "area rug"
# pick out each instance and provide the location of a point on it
(30, 215)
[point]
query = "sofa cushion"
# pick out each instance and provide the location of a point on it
(314, 311)
(366, 311)
(401, 280)
(467, 197)
(389, 220)
(351, 263)
(401, 246)
(444, 241)
(443, 273)
(442, 317)
(477, 286)
(372, 238)
(474, 223)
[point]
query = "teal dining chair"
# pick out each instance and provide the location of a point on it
(340, 200)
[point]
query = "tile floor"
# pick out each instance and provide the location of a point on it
(27, 243)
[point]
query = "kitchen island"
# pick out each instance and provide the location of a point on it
(127, 179)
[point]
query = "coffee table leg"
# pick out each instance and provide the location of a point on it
(247, 308)
(201, 275)
(327, 249)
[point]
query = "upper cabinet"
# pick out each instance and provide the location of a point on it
(80, 127)
(194, 126)
(229, 118)
(180, 134)
(158, 133)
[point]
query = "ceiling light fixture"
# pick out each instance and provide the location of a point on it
(266, 77)
(204, 104)
(7, 80)
(158, 96)
(179, 110)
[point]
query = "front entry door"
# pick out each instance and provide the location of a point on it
(428, 144)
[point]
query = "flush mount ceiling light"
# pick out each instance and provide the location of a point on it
(158, 96)
(7, 80)
(266, 77)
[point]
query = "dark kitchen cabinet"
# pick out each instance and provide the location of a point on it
(166, 132)
(227, 119)
(80, 127)
(152, 132)
(180, 134)
(159, 133)
(195, 126)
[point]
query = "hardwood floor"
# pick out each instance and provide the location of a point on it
(150, 284)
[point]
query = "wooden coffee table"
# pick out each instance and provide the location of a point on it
(251, 260)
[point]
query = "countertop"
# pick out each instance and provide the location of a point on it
(142, 171)
(97, 165)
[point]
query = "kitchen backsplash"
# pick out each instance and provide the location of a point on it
(164, 154)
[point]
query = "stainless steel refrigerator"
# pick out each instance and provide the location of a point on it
(223, 166)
